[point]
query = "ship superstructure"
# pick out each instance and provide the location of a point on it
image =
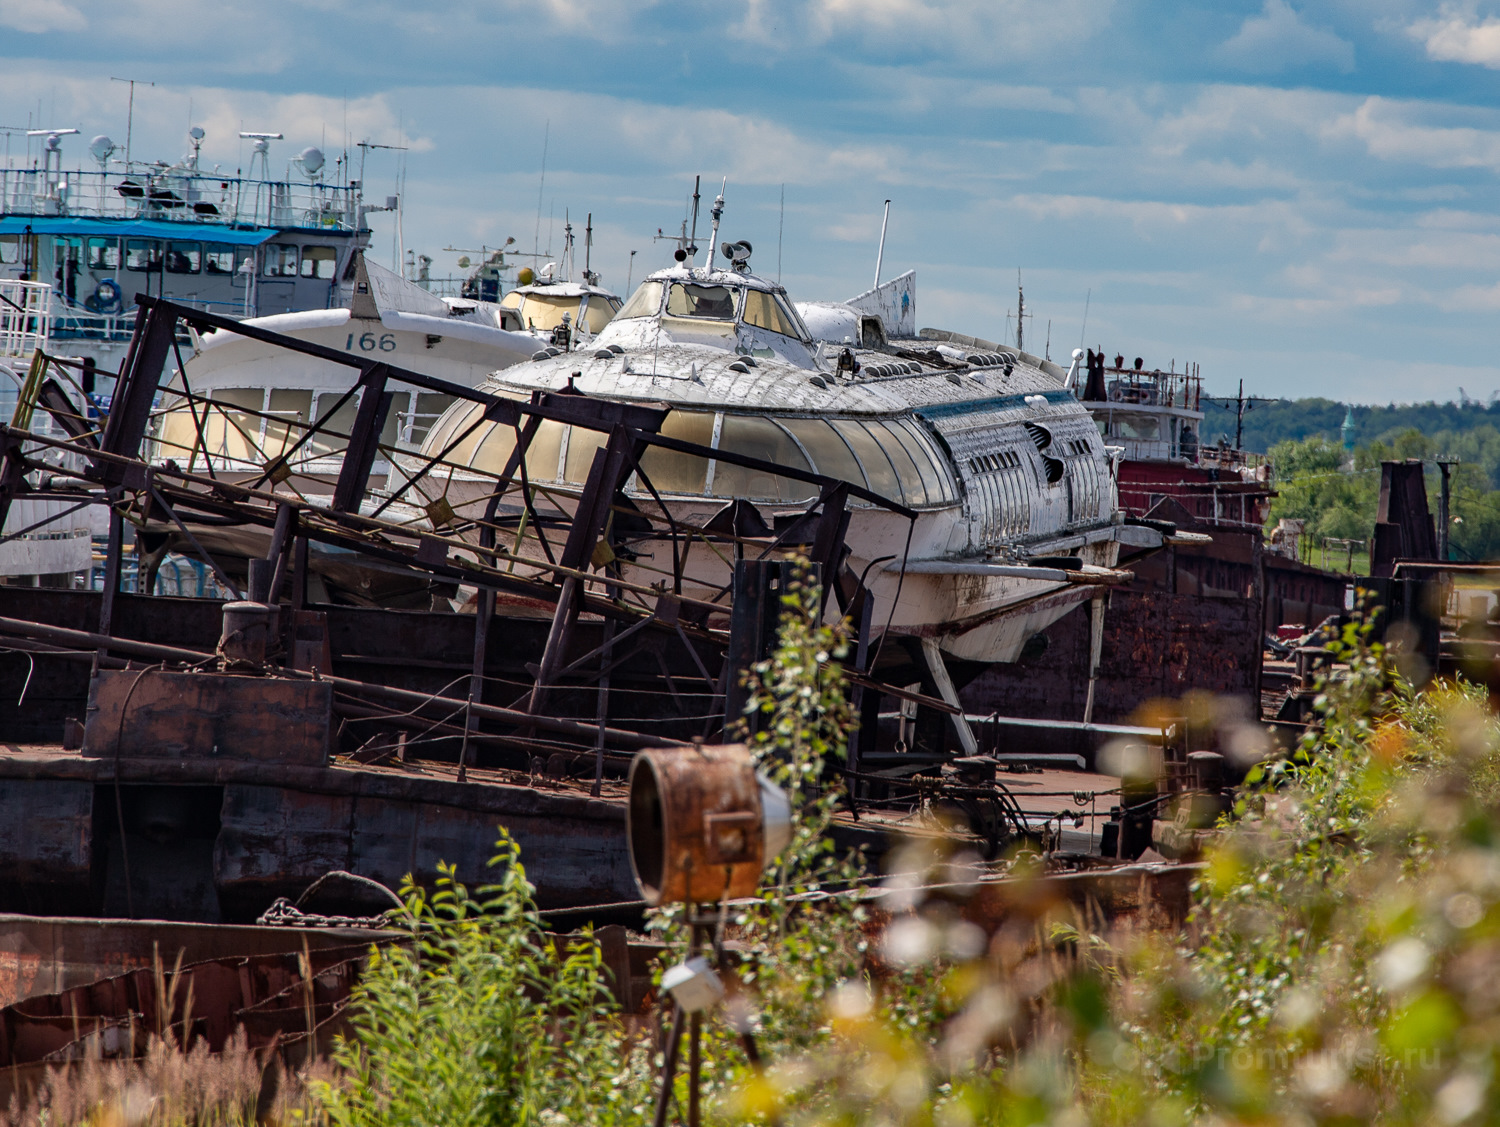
(236, 245)
(1016, 515)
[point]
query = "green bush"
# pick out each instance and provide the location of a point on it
(480, 1022)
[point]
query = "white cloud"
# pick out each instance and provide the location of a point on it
(1457, 35)
(1388, 133)
(97, 105)
(679, 141)
(38, 16)
(992, 30)
(595, 19)
(1476, 299)
(1278, 39)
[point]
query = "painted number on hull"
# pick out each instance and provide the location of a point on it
(368, 342)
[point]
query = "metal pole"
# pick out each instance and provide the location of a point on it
(602, 707)
(1096, 647)
(880, 254)
(695, 1070)
(1239, 418)
(111, 569)
(1445, 468)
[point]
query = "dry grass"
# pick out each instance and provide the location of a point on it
(167, 1087)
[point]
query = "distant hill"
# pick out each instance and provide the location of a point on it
(1267, 423)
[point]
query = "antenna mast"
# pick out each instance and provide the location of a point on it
(1021, 314)
(130, 116)
(692, 247)
(780, 226)
(717, 213)
(536, 238)
(880, 254)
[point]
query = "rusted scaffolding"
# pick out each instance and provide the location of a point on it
(264, 519)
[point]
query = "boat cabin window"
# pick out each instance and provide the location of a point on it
(879, 471)
(292, 408)
(544, 312)
(430, 406)
(890, 456)
(230, 429)
(104, 254)
(390, 433)
(319, 262)
(10, 249)
(184, 258)
(598, 311)
(711, 303)
(645, 302)
(333, 437)
(281, 261)
(218, 258)
(1145, 429)
(759, 438)
(672, 472)
(764, 312)
(142, 254)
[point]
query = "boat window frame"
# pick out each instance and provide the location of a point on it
(736, 297)
(103, 244)
(154, 256)
(326, 254)
(653, 310)
(212, 251)
(196, 258)
(274, 263)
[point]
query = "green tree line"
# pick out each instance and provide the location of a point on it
(1337, 492)
(1265, 423)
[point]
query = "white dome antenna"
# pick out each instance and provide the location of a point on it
(310, 161)
(101, 148)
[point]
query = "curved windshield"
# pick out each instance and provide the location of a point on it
(545, 312)
(759, 438)
(598, 311)
(645, 302)
(762, 311)
(711, 303)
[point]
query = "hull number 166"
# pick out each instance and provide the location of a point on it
(368, 342)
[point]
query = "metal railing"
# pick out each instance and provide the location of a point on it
(25, 318)
(1153, 389)
(178, 194)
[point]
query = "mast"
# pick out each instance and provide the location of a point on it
(692, 247)
(879, 254)
(1020, 313)
(717, 213)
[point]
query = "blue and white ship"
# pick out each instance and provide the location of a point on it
(237, 245)
(78, 243)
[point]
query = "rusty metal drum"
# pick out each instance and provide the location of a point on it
(702, 823)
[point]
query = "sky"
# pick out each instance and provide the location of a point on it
(1299, 195)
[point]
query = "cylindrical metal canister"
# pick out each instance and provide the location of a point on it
(702, 825)
(242, 640)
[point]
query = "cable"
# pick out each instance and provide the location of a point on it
(119, 803)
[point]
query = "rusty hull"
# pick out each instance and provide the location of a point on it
(218, 840)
